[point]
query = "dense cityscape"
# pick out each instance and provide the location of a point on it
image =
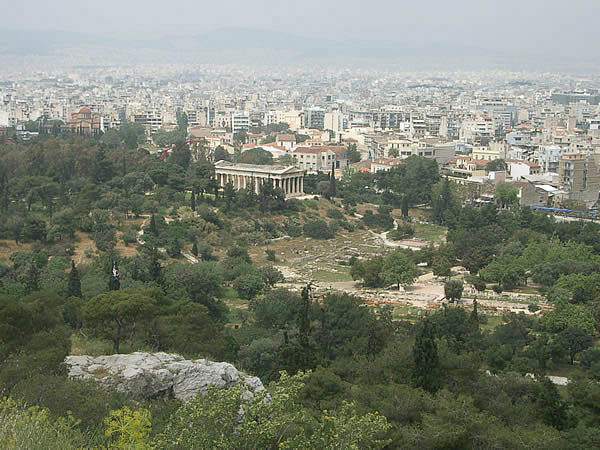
(536, 123)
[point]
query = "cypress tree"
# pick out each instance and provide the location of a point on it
(32, 279)
(155, 268)
(193, 201)
(304, 359)
(425, 355)
(74, 285)
(152, 228)
(404, 206)
(474, 318)
(332, 187)
(195, 249)
(550, 406)
(304, 318)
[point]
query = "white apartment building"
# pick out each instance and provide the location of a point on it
(480, 127)
(334, 121)
(294, 119)
(240, 120)
(151, 120)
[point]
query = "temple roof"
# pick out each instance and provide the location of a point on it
(256, 168)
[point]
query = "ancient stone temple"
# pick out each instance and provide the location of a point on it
(287, 178)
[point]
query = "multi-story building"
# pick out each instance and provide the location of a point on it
(579, 172)
(151, 120)
(240, 120)
(334, 121)
(286, 140)
(565, 98)
(484, 153)
(314, 118)
(477, 128)
(320, 158)
(294, 119)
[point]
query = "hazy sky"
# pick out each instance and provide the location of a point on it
(543, 26)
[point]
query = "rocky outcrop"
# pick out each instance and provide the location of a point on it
(150, 375)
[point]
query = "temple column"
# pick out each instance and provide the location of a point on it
(302, 185)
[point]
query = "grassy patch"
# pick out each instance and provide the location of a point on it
(81, 345)
(526, 290)
(407, 312)
(8, 247)
(566, 370)
(492, 322)
(327, 276)
(430, 232)
(228, 293)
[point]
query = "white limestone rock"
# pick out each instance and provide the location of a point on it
(151, 375)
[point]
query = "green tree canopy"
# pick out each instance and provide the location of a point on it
(506, 194)
(399, 269)
(114, 314)
(256, 156)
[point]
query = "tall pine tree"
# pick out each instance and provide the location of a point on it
(332, 188)
(425, 355)
(153, 228)
(404, 206)
(32, 279)
(155, 268)
(74, 284)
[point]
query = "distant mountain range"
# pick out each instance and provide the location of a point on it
(252, 46)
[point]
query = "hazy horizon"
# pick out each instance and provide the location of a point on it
(550, 31)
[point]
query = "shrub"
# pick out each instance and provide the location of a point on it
(249, 285)
(174, 247)
(385, 209)
(382, 221)
(239, 252)
(348, 226)
(294, 205)
(333, 213)
(129, 238)
(105, 240)
(404, 230)
(312, 204)
(292, 227)
(270, 254)
(318, 229)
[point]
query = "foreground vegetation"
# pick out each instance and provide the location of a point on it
(454, 378)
